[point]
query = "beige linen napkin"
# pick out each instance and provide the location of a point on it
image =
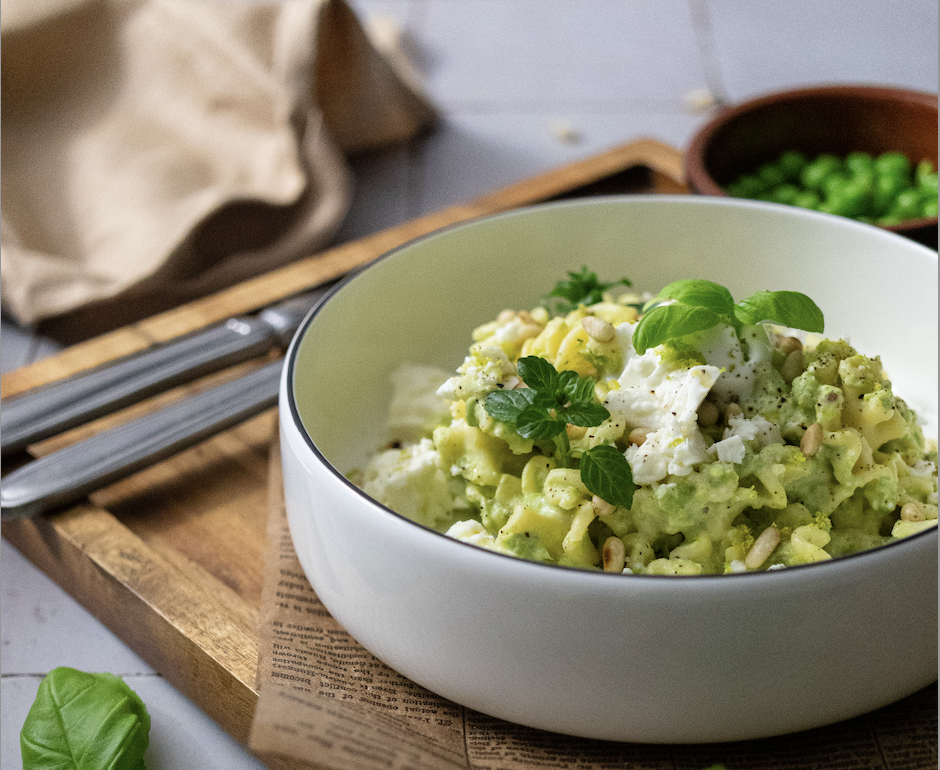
(154, 151)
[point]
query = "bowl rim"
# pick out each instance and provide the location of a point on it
(694, 166)
(291, 363)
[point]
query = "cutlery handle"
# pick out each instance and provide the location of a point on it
(68, 475)
(50, 410)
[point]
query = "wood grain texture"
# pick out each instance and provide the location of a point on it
(172, 558)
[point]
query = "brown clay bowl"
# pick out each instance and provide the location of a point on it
(834, 119)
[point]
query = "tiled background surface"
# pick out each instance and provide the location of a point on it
(507, 75)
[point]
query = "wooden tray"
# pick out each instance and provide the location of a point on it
(171, 559)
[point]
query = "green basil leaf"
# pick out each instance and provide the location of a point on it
(505, 405)
(538, 373)
(787, 308)
(86, 722)
(607, 474)
(585, 415)
(669, 322)
(698, 292)
(536, 423)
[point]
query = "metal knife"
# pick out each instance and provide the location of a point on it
(66, 476)
(49, 410)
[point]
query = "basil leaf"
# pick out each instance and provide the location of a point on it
(86, 722)
(585, 415)
(787, 308)
(505, 405)
(536, 423)
(538, 373)
(607, 474)
(667, 322)
(698, 292)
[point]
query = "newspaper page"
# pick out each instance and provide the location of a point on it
(329, 704)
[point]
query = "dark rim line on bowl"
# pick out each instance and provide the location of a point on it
(290, 371)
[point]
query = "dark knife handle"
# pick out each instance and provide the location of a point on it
(50, 410)
(70, 474)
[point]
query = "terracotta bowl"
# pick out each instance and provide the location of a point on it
(830, 119)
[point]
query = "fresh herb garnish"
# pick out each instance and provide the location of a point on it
(582, 288)
(542, 412)
(699, 305)
(82, 721)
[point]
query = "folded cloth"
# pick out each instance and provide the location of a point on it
(157, 150)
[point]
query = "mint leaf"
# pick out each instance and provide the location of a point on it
(787, 308)
(506, 405)
(536, 423)
(698, 292)
(82, 721)
(668, 322)
(585, 415)
(582, 288)
(607, 474)
(581, 390)
(538, 373)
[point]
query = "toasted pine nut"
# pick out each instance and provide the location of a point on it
(575, 431)
(708, 414)
(602, 507)
(733, 410)
(598, 329)
(506, 316)
(787, 345)
(614, 554)
(526, 317)
(638, 435)
(792, 366)
(765, 544)
(912, 511)
(812, 440)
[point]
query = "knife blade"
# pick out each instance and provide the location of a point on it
(49, 410)
(68, 475)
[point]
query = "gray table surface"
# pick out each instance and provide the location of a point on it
(523, 86)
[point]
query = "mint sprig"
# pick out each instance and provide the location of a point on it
(699, 305)
(582, 288)
(543, 410)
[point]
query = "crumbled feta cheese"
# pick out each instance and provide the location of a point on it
(729, 450)
(664, 399)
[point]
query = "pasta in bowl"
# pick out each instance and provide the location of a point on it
(572, 439)
(635, 657)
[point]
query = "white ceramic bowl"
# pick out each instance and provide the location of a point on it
(631, 658)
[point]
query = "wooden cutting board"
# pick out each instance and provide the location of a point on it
(171, 559)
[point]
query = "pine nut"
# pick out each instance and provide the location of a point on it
(598, 329)
(792, 366)
(812, 440)
(765, 544)
(575, 431)
(787, 345)
(602, 507)
(912, 511)
(614, 554)
(733, 410)
(708, 414)
(506, 316)
(638, 435)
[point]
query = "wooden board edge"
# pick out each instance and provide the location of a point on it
(317, 269)
(126, 584)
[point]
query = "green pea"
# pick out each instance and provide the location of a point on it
(893, 163)
(851, 199)
(771, 175)
(792, 163)
(929, 208)
(887, 189)
(860, 163)
(817, 171)
(907, 205)
(807, 199)
(747, 186)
